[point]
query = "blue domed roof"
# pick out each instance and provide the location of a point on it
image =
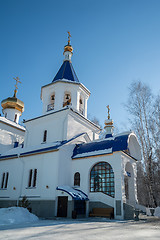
(67, 72)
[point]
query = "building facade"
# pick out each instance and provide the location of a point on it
(63, 167)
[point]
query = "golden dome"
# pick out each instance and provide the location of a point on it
(68, 48)
(108, 122)
(14, 103)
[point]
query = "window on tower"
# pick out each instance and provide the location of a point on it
(52, 102)
(67, 99)
(81, 106)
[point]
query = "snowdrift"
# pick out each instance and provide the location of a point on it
(15, 215)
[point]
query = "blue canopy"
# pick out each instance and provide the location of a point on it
(76, 194)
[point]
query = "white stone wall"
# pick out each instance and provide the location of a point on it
(56, 128)
(77, 125)
(84, 166)
(129, 165)
(18, 168)
(9, 134)
(62, 125)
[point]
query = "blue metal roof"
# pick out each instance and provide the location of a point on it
(119, 143)
(66, 71)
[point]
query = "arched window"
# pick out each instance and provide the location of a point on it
(102, 179)
(52, 102)
(67, 99)
(77, 179)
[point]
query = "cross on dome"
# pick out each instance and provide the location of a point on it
(68, 49)
(108, 111)
(16, 87)
(69, 35)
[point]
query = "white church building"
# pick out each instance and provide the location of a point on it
(58, 161)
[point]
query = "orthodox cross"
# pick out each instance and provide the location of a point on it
(108, 111)
(16, 87)
(69, 35)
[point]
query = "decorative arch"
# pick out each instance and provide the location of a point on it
(129, 183)
(134, 147)
(102, 179)
(77, 179)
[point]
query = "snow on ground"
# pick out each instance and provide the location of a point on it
(18, 224)
(86, 229)
(15, 215)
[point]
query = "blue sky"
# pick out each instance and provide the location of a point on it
(114, 41)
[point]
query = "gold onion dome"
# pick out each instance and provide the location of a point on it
(68, 47)
(13, 102)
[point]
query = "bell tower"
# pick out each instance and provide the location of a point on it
(65, 89)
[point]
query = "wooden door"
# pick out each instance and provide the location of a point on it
(62, 206)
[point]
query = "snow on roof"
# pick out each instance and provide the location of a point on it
(76, 194)
(11, 123)
(103, 146)
(15, 215)
(19, 151)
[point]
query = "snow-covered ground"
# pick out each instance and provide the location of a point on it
(95, 229)
(15, 215)
(21, 225)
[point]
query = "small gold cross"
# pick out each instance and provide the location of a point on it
(17, 81)
(108, 111)
(69, 35)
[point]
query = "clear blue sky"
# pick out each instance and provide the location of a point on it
(114, 41)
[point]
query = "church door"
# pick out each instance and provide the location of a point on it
(62, 206)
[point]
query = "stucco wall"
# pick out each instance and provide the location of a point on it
(9, 135)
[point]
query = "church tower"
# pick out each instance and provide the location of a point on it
(12, 107)
(65, 89)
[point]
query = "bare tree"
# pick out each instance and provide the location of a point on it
(145, 120)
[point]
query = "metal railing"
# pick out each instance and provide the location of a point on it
(50, 107)
(81, 110)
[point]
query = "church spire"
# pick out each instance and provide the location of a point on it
(108, 125)
(68, 49)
